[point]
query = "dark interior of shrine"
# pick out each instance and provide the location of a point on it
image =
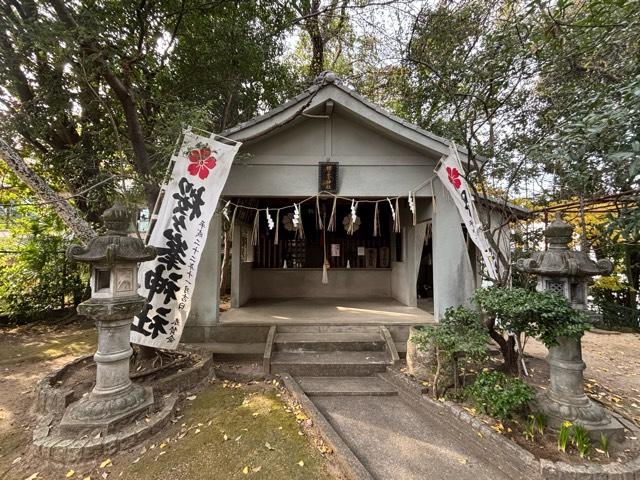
(359, 249)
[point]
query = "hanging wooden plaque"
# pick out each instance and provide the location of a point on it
(328, 177)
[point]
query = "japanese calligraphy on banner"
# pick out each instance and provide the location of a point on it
(450, 174)
(201, 169)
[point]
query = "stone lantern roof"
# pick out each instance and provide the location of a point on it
(559, 260)
(115, 246)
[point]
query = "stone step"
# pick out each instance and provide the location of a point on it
(346, 386)
(328, 328)
(330, 364)
(329, 341)
(232, 350)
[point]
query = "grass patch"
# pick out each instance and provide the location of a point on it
(22, 347)
(262, 441)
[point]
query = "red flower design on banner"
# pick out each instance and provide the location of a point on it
(201, 162)
(454, 177)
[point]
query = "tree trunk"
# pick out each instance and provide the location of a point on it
(314, 30)
(507, 346)
(45, 193)
(436, 377)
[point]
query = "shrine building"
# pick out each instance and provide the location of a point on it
(329, 141)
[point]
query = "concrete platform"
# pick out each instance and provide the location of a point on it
(333, 311)
(346, 386)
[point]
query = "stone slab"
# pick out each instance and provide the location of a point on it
(346, 386)
(337, 363)
(329, 341)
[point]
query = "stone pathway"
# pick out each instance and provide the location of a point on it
(396, 437)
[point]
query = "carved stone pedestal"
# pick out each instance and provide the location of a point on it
(115, 399)
(566, 400)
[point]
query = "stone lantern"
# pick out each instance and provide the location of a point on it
(113, 258)
(568, 272)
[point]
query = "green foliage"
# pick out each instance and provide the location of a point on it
(35, 274)
(534, 425)
(460, 331)
(577, 435)
(540, 422)
(615, 300)
(206, 64)
(541, 315)
(564, 435)
(499, 395)
(529, 429)
(459, 337)
(580, 439)
(604, 444)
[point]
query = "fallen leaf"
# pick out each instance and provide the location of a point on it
(192, 398)
(268, 445)
(197, 431)
(245, 470)
(238, 438)
(225, 437)
(498, 428)
(256, 469)
(16, 460)
(70, 473)
(463, 461)
(301, 463)
(136, 460)
(105, 463)
(34, 476)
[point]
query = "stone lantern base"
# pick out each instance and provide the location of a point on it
(566, 401)
(582, 412)
(114, 399)
(106, 412)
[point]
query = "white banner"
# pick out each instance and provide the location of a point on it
(201, 169)
(450, 174)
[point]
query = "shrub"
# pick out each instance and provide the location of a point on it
(38, 277)
(542, 315)
(461, 334)
(616, 301)
(530, 313)
(498, 395)
(461, 331)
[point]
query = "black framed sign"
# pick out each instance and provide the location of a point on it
(328, 177)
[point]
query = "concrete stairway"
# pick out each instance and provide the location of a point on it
(231, 342)
(331, 351)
